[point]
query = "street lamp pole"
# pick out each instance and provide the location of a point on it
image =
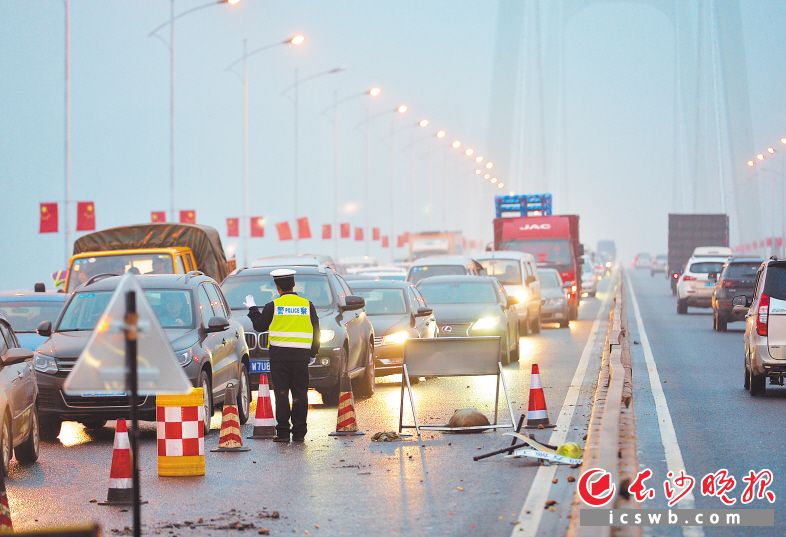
(335, 224)
(67, 133)
(246, 224)
(296, 155)
(366, 207)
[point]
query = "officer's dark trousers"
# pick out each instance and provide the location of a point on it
(290, 377)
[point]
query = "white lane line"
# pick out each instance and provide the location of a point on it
(668, 436)
(532, 511)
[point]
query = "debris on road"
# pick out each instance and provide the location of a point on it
(468, 417)
(386, 436)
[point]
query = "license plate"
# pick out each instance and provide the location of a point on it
(709, 284)
(260, 366)
(105, 394)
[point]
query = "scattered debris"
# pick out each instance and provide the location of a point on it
(460, 488)
(550, 503)
(554, 481)
(468, 417)
(570, 479)
(233, 520)
(386, 436)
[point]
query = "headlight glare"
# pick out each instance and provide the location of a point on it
(395, 338)
(326, 335)
(44, 363)
(485, 323)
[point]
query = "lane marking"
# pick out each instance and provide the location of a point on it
(668, 436)
(527, 524)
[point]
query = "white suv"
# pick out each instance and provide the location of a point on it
(697, 282)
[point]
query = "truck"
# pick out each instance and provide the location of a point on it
(525, 225)
(429, 243)
(688, 232)
(607, 251)
(157, 248)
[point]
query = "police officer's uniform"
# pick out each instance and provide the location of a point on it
(293, 338)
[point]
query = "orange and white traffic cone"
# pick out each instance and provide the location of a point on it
(346, 425)
(120, 474)
(264, 423)
(229, 438)
(5, 511)
(537, 413)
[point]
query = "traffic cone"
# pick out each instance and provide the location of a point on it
(264, 423)
(120, 475)
(229, 438)
(345, 420)
(5, 511)
(537, 414)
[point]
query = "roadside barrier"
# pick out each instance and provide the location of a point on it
(120, 489)
(5, 511)
(180, 433)
(229, 439)
(264, 423)
(346, 424)
(537, 413)
(90, 530)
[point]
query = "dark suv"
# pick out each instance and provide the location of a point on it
(736, 278)
(194, 315)
(347, 337)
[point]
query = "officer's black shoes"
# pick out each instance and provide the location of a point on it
(298, 439)
(281, 439)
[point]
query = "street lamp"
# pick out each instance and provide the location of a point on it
(750, 163)
(171, 46)
(441, 134)
(469, 152)
(455, 144)
(489, 165)
(760, 157)
(423, 123)
(771, 150)
(479, 159)
(294, 40)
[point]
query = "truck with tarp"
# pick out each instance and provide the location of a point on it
(688, 232)
(156, 248)
(431, 243)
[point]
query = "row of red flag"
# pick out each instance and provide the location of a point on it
(758, 245)
(86, 221)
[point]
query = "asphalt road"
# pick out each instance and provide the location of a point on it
(716, 421)
(343, 486)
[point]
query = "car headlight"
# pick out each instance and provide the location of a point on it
(395, 338)
(555, 301)
(485, 323)
(185, 356)
(521, 294)
(326, 336)
(44, 363)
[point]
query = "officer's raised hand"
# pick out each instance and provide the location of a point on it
(249, 301)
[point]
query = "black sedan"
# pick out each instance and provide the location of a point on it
(19, 432)
(474, 306)
(398, 313)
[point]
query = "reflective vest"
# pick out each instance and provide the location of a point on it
(291, 326)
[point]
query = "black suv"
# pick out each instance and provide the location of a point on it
(194, 315)
(736, 278)
(346, 339)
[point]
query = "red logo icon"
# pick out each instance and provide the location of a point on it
(595, 487)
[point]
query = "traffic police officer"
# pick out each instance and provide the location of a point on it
(293, 337)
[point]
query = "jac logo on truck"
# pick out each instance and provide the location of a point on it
(528, 227)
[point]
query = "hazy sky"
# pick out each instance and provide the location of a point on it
(435, 56)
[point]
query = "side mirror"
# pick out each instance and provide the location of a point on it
(217, 324)
(530, 279)
(16, 356)
(352, 302)
(44, 329)
(424, 312)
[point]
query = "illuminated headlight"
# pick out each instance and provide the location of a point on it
(521, 293)
(326, 335)
(396, 338)
(185, 357)
(608, 264)
(324, 361)
(45, 364)
(485, 323)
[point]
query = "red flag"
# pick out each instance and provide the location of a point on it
(375, 234)
(778, 242)
(385, 241)
(233, 227)
(284, 231)
(346, 230)
(303, 229)
(47, 218)
(327, 231)
(401, 241)
(769, 241)
(188, 217)
(85, 216)
(358, 233)
(257, 226)
(157, 216)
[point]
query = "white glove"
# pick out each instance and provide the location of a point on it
(249, 302)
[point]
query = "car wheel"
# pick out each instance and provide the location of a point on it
(515, 354)
(6, 442)
(330, 395)
(368, 380)
(94, 425)
(523, 327)
(573, 312)
(504, 355)
(747, 383)
(758, 384)
(721, 323)
(207, 398)
(534, 328)
(243, 395)
(27, 451)
(564, 324)
(682, 306)
(50, 428)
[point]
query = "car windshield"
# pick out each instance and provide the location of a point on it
(553, 252)
(26, 316)
(173, 307)
(549, 279)
(507, 271)
(420, 272)
(383, 301)
(85, 268)
(314, 287)
(742, 271)
(458, 292)
(705, 267)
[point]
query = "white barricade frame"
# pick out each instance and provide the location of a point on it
(453, 357)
